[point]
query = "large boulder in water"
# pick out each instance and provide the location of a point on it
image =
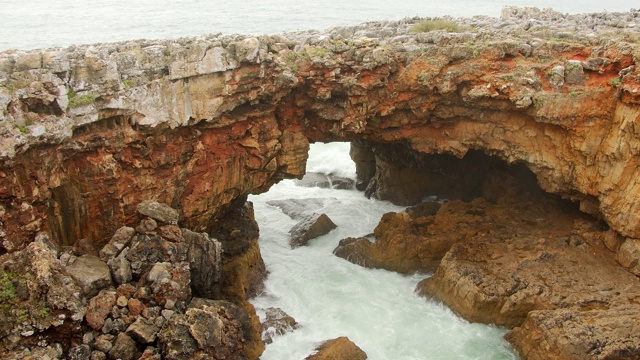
(338, 349)
(309, 228)
(299, 208)
(277, 322)
(316, 179)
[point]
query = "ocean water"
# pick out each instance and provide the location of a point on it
(331, 297)
(47, 23)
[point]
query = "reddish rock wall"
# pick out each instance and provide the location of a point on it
(88, 132)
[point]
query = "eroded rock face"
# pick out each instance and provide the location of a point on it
(578, 334)
(507, 202)
(207, 330)
(243, 270)
(89, 132)
(277, 322)
(37, 294)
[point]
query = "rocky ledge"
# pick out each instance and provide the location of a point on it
(89, 132)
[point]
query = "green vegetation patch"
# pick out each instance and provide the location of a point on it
(436, 24)
(80, 100)
(615, 82)
(7, 289)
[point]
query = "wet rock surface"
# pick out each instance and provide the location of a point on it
(519, 258)
(277, 322)
(315, 179)
(310, 227)
(339, 348)
(299, 208)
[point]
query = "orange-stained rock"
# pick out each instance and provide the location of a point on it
(573, 334)
(338, 349)
(203, 123)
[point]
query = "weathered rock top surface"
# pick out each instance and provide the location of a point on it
(46, 94)
(89, 131)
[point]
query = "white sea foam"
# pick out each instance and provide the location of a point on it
(330, 297)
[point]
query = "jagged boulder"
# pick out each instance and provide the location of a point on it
(209, 329)
(277, 322)
(204, 255)
(120, 240)
(357, 251)
(99, 308)
(159, 211)
(310, 227)
(143, 331)
(338, 349)
(91, 273)
(124, 348)
(147, 249)
(167, 284)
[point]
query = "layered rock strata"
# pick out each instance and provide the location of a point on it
(89, 132)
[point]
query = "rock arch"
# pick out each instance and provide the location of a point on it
(197, 123)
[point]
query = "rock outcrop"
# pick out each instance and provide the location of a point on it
(89, 132)
(310, 227)
(277, 322)
(297, 209)
(74, 302)
(339, 348)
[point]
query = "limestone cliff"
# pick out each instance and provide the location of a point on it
(90, 131)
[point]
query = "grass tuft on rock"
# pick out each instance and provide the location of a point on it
(436, 24)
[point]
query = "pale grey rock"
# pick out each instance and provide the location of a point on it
(119, 240)
(556, 77)
(121, 268)
(298, 209)
(310, 228)
(204, 255)
(158, 211)
(91, 273)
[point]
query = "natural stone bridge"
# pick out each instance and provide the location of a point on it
(89, 132)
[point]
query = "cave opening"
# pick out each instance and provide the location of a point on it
(481, 202)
